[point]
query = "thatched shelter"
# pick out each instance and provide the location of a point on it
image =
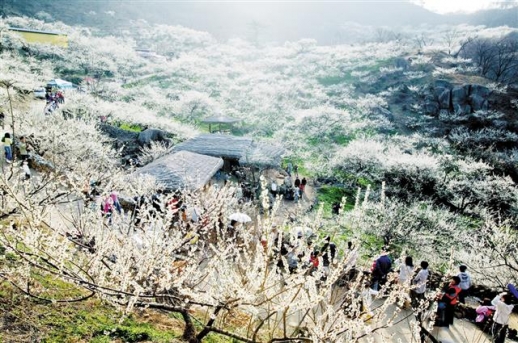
(234, 150)
(218, 120)
(262, 155)
(183, 169)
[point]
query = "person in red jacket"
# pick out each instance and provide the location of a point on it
(448, 302)
(314, 262)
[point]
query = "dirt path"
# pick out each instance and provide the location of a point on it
(289, 208)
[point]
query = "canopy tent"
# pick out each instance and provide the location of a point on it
(182, 169)
(219, 120)
(61, 84)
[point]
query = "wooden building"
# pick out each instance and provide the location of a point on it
(182, 170)
(235, 151)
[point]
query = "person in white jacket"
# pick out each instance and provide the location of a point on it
(406, 271)
(501, 317)
(465, 283)
(419, 282)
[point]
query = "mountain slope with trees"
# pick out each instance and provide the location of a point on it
(328, 23)
(375, 127)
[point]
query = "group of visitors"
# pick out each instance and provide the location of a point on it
(454, 293)
(290, 168)
(290, 191)
(53, 100)
(23, 153)
(302, 252)
(300, 185)
(495, 314)
(244, 192)
(109, 204)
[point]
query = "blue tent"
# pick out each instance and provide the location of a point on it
(60, 84)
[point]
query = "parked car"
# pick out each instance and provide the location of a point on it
(39, 93)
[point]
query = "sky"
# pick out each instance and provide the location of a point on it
(453, 6)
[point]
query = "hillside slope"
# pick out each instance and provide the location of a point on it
(327, 22)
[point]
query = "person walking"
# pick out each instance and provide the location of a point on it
(328, 256)
(292, 258)
(296, 194)
(503, 311)
(2, 117)
(116, 202)
(8, 147)
(297, 182)
(273, 188)
(381, 268)
(107, 209)
(420, 280)
(406, 270)
(314, 261)
(465, 283)
(289, 168)
(303, 185)
(22, 147)
(367, 296)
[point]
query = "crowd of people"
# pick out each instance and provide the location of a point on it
(303, 252)
(293, 252)
(22, 153)
(493, 314)
(290, 190)
(53, 99)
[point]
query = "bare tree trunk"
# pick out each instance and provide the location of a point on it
(189, 333)
(206, 330)
(12, 117)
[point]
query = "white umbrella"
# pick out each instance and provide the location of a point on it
(240, 217)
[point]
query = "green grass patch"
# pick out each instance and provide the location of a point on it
(87, 321)
(364, 182)
(132, 331)
(327, 195)
(98, 326)
(343, 139)
(128, 126)
(338, 138)
(299, 162)
(371, 244)
(353, 179)
(53, 288)
(232, 129)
